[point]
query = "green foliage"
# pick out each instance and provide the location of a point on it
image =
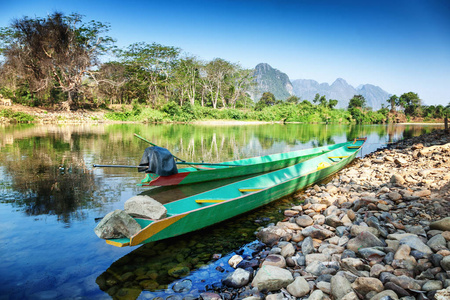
(267, 99)
(16, 116)
(357, 101)
(411, 103)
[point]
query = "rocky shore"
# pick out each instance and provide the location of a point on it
(379, 229)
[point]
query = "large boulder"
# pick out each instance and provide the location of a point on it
(117, 224)
(272, 278)
(145, 206)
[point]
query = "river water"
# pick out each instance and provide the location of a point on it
(51, 199)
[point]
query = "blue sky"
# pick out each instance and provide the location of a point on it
(399, 45)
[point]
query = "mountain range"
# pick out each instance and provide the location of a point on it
(269, 79)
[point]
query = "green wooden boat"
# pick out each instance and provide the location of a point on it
(214, 206)
(201, 172)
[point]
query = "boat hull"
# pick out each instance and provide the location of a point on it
(242, 167)
(188, 215)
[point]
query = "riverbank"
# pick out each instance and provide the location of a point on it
(380, 229)
(17, 113)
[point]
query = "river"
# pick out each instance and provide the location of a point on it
(51, 199)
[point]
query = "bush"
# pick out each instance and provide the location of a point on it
(17, 116)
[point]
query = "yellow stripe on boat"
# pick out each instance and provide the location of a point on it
(353, 147)
(117, 244)
(342, 156)
(210, 201)
(243, 190)
(153, 229)
(323, 165)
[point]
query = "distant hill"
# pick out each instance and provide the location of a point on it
(278, 83)
(271, 80)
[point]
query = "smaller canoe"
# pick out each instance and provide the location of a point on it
(214, 206)
(261, 164)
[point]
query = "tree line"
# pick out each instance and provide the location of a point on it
(57, 60)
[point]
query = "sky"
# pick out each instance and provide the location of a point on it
(399, 45)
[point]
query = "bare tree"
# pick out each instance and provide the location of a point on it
(55, 52)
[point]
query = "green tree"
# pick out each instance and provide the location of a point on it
(332, 103)
(267, 99)
(411, 102)
(293, 99)
(393, 100)
(151, 67)
(55, 52)
(357, 101)
(316, 98)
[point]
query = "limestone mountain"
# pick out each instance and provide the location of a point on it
(271, 80)
(278, 83)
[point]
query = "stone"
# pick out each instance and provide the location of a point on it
(307, 246)
(364, 240)
(394, 196)
(275, 260)
(397, 179)
(442, 294)
(402, 252)
(236, 279)
(415, 243)
(443, 224)
(432, 285)
(446, 235)
(272, 278)
(445, 263)
(324, 286)
(400, 161)
(317, 232)
(356, 229)
(209, 296)
(350, 296)
(117, 224)
(304, 221)
(351, 214)
(421, 193)
(385, 295)
(350, 263)
(316, 257)
(437, 243)
(371, 254)
(271, 235)
(182, 286)
(333, 221)
(288, 250)
(145, 206)
(406, 282)
(376, 270)
(235, 260)
(316, 268)
(299, 287)
(179, 271)
(364, 285)
(401, 292)
(340, 287)
(316, 295)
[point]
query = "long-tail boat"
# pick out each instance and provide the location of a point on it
(214, 206)
(201, 172)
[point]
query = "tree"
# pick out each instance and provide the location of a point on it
(55, 52)
(240, 81)
(332, 103)
(151, 66)
(215, 75)
(393, 100)
(411, 102)
(357, 101)
(187, 78)
(293, 99)
(316, 98)
(267, 99)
